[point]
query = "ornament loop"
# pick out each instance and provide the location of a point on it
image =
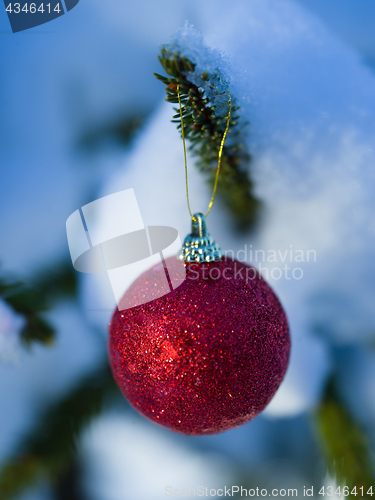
(199, 226)
(199, 246)
(220, 154)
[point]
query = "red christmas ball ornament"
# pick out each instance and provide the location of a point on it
(208, 356)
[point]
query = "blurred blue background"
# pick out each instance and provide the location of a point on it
(66, 89)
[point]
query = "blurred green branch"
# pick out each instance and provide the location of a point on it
(121, 130)
(31, 301)
(204, 128)
(344, 444)
(49, 447)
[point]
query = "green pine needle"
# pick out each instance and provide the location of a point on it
(344, 445)
(31, 301)
(204, 129)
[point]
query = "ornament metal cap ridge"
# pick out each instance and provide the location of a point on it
(199, 246)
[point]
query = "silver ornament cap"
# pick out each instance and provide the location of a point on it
(199, 246)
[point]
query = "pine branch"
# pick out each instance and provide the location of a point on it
(48, 449)
(344, 444)
(204, 126)
(32, 301)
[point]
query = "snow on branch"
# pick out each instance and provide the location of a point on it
(203, 76)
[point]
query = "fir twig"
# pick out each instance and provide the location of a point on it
(47, 450)
(344, 445)
(204, 128)
(32, 301)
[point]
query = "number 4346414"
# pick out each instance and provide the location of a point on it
(32, 8)
(345, 491)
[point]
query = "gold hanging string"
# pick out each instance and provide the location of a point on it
(219, 158)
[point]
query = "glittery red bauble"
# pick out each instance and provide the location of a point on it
(206, 357)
